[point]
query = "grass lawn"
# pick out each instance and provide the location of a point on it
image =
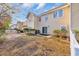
(35, 46)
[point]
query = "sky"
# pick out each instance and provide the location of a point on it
(36, 8)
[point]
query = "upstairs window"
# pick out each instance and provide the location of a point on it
(61, 12)
(58, 13)
(55, 14)
(63, 27)
(46, 18)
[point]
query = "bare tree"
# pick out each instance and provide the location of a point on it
(7, 9)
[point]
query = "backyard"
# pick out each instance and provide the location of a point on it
(22, 33)
(20, 44)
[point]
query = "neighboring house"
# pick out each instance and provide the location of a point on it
(74, 44)
(53, 19)
(33, 21)
(21, 25)
(75, 16)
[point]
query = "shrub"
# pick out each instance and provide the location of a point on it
(61, 33)
(64, 30)
(76, 31)
(2, 39)
(77, 34)
(2, 31)
(29, 31)
(57, 33)
(19, 30)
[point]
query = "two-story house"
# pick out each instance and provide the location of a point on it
(56, 18)
(33, 21)
(53, 19)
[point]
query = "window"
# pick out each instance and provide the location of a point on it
(46, 18)
(61, 12)
(55, 14)
(63, 27)
(58, 13)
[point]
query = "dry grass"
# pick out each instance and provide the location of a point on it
(35, 46)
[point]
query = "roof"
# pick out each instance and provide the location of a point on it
(54, 9)
(29, 14)
(49, 11)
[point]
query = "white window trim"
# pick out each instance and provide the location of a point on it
(57, 17)
(45, 18)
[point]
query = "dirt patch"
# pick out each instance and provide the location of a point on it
(35, 46)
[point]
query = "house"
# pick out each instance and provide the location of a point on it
(51, 20)
(21, 25)
(74, 42)
(33, 21)
(75, 16)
